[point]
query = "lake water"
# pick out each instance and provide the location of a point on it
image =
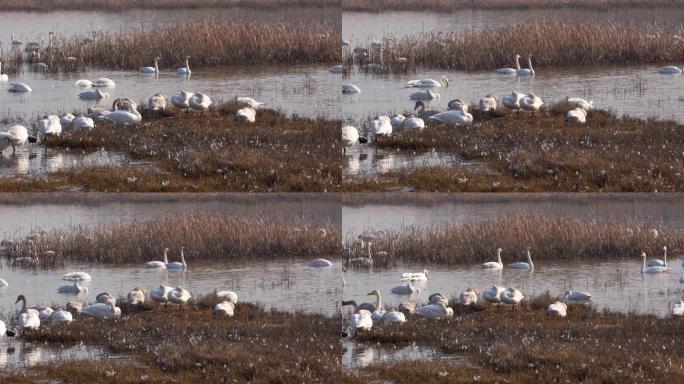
(360, 355)
(365, 160)
(23, 355)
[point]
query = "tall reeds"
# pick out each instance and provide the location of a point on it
(456, 5)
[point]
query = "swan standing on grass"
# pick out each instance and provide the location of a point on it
(670, 70)
(77, 276)
(227, 295)
(72, 288)
(579, 102)
(511, 296)
(102, 310)
(350, 89)
(494, 264)
(651, 270)
(61, 316)
(557, 309)
(28, 317)
(531, 102)
(225, 308)
(658, 262)
(123, 116)
(454, 117)
(178, 265)
(96, 94)
(434, 311)
(488, 103)
(493, 294)
(3, 77)
(361, 320)
(136, 296)
(577, 295)
(184, 71)
(320, 263)
(529, 71)
(415, 276)
(16, 136)
(350, 135)
(510, 71)
(522, 265)
(425, 95)
(19, 88)
(179, 296)
(154, 69)
(407, 289)
(157, 102)
(381, 126)
(468, 297)
(246, 114)
(429, 83)
(577, 115)
(160, 294)
(200, 102)
(678, 308)
(512, 100)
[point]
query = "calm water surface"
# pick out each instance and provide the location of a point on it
(365, 160)
(360, 355)
(23, 355)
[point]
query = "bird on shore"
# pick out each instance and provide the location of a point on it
(468, 297)
(136, 296)
(493, 294)
(160, 294)
(14, 137)
(557, 309)
(179, 296)
(200, 102)
(225, 308)
(28, 317)
(181, 100)
(246, 114)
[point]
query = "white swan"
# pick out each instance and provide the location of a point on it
(28, 317)
(157, 102)
(50, 126)
(493, 294)
(136, 296)
(512, 100)
(246, 114)
(397, 119)
(425, 95)
(531, 102)
(468, 297)
(96, 94)
(249, 102)
(123, 116)
(3, 76)
(579, 102)
(83, 83)
(225, 308)
(670, 70)
(350, 89)
(658, 262)
(577, 115)
(228, 296)
(154, 69)
(77, 276)
(81, 122)
(523, 265)
(179, 296)
(381, 126)
(438, 298)
(19, 88)
(379, 310)
(434, 311)
(160, 294)
(200, 102)
(362, 320)
(407, 289)
(178, 265)
(488, 103)
(16, 136)
(510, 71)
(678, 308)
(577, 295)
(101, 311)
(72, 288)
(181, 99)
(393, 316)
(454, 117)
(651, 270)
(429, 83)
(320, 263)
(415, 276)
(350, 135)
(61, 316)
(184, 71)
(557, 309)
(3, 284)
(529, 71)
(494, 264)
(106, 297)
(511, 296)
(98, 112)
(413, 123)
(44, 313)
(123, 103)
(104, 82)
(66, 120)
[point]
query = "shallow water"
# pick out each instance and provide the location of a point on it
(28, 26)
(364, 160)
(303, 89)
(480, 207)
(637, 91)
(359, 26)
(19, 355)
(287, 285)
(360, 355)
(615, 285)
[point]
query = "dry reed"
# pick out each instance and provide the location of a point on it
(204, 237)
(456, 5)
(549, 238)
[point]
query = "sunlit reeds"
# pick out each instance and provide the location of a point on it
(456, 5)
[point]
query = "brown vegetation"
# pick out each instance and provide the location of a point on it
(456, 5)
(549, 238)
(542, 154)
(587, 346)
(204, 237)
(124, 5)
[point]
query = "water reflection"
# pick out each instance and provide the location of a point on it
(20, 355)
(360, 355)
(368, 160)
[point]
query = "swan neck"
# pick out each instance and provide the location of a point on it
(517, 62)
(529, 64)
(379, 302)
(23, 305)
(498, 256)
(166, 259)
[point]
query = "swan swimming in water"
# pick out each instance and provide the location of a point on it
(72, 288)
(178, 265)
(350, 89)
(184, 71)
(651, 270)
(83, 83)
(77, 276)
(510, 71)
(318, 263)
(407, 289)
(154, 69)
(104, 82)
(425, 95)
(670, 70)
(19, 88)
(529, 71)
(577, 295)
(494, 264)
(658, 262)
(16, 136)
(96, 94)
(429, 83)
(522, 265)
(415, 276)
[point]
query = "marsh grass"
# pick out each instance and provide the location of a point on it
(549, 238)
(543, 154)
(193, 345)
(456, 5)
(586, 346)
(209, 44)
(551, 44)
(204, 237)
